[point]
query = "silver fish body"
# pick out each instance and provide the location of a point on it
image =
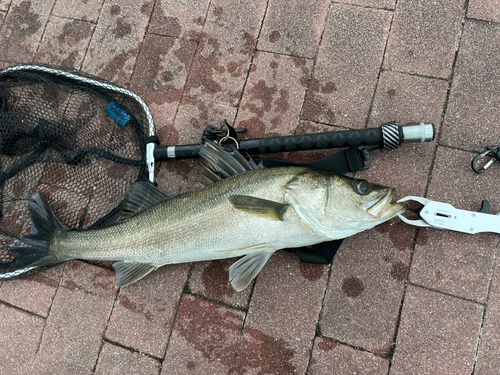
(196, 226)
(252, 213)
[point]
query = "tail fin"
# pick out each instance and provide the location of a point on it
(34, 252)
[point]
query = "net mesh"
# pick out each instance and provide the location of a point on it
(60, 135)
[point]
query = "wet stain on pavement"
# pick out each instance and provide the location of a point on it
(423, 236)
(74, 31)
(209, 329)
(147, 7)
(248, 44)
(28, 22)
(282, 104)
(134, 307)
(262, 354)
(206, 66)
(398, 234)
(172, 26)
(314, 107)
(399, 271)
(311, 272)
(326, 345)
(122, 29)
(42, 278)
(115, 65)
(215, 279)
(115, 10)
(274, 36)
(353, 287)
(263, 93)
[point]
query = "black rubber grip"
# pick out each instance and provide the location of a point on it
(346, 138)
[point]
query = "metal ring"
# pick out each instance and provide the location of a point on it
(227, 138)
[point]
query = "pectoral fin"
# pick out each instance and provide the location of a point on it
(128, 273)
(259, 207)
(244, 270)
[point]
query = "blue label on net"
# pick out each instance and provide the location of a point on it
(117, 114)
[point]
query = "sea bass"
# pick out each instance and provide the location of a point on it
(252, 212)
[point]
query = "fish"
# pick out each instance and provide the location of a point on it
(237, 210)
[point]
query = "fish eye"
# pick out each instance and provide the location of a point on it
(361, 187)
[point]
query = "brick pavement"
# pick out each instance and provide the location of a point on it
(396, 300)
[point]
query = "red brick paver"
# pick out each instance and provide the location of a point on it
(161, 72)
(20, 292)
(223, 57)
(117, 38)
(352, 47)
(293, 27)
(22, 29)
(437, 335)
(282, 317)
(148, 307)
(87, 10)
(21, 333)
(180, 19)
(424, 37)
(366, 286)
(331, 358)
(64, 42)
(488, 361)
(78, 318)
(204, 339)
(474, 93)
(114, 360)
(275, 91)
(488, 10)
(383, 4)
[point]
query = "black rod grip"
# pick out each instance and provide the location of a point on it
(301, 142)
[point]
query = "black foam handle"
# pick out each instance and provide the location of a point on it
(345, 138)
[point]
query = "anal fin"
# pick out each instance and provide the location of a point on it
(128, 273)
(242, 272)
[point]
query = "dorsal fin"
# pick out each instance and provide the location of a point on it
(216, 163)
(141, 197)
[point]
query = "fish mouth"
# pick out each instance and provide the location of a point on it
(382, 207)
